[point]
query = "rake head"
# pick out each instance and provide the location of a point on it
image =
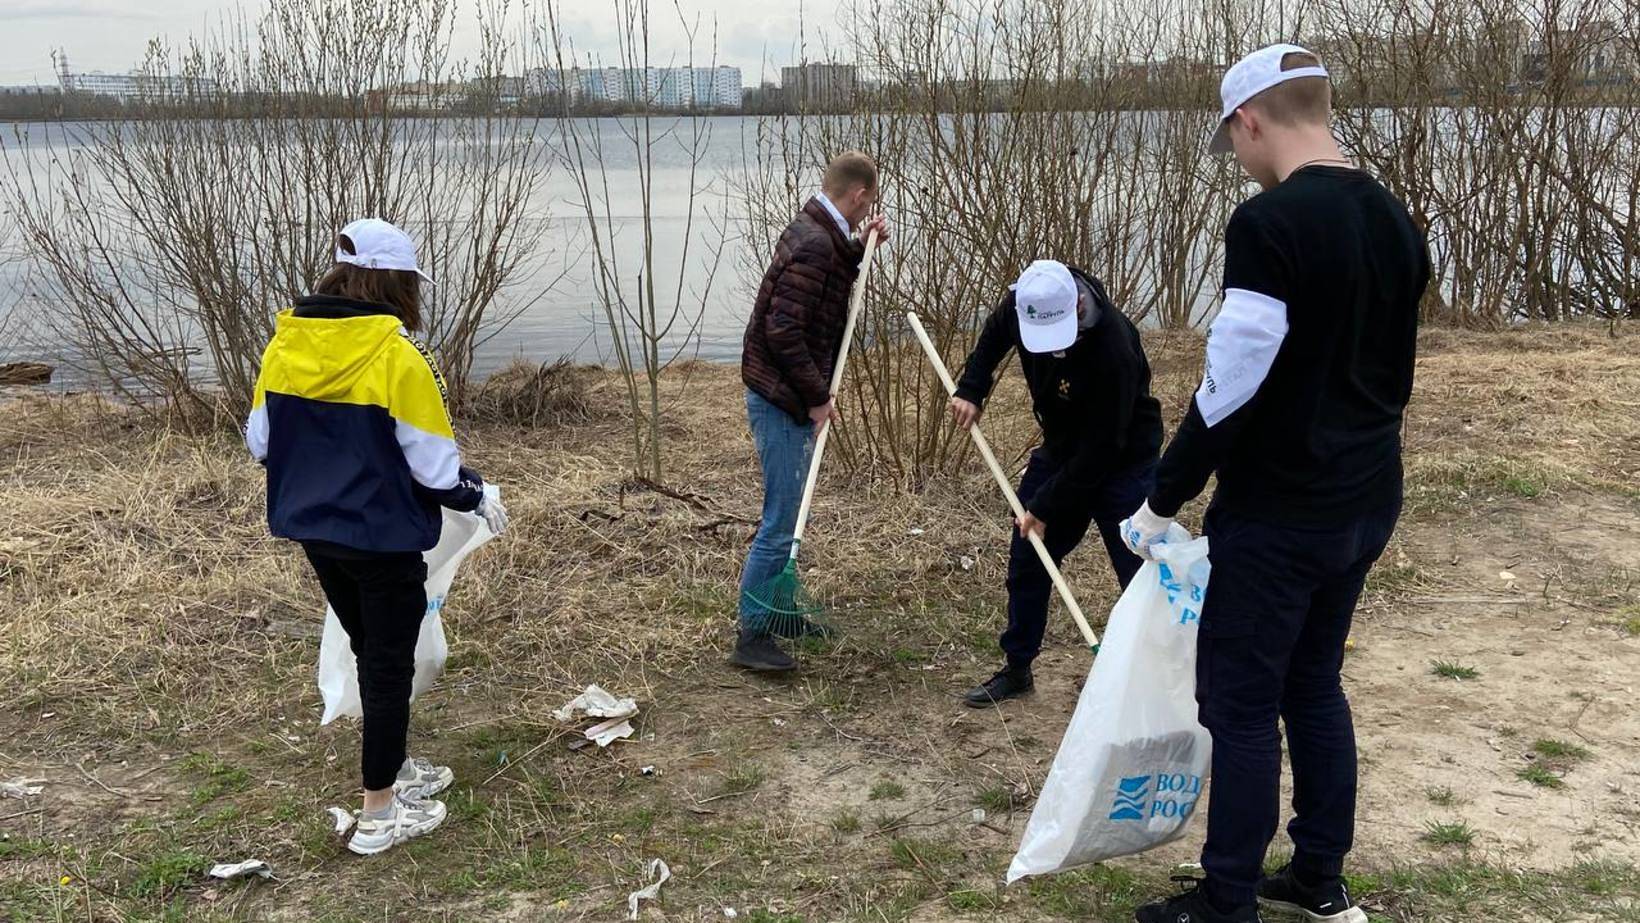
(782, 606)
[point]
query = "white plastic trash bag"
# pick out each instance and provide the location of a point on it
(462, 534)
(1134, 759)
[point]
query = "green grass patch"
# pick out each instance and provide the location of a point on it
(743, 778)
(929, 856)
(1448, 834)
(1100, 892)
(887, 790)
(846, 821)
(166, 871)
(1559, 750)
(1629, 624)
(1443, 797)
(1541, 777)
(216, 778)
(998, 799)
(18, 849)
(972, 900)
(1449, 669)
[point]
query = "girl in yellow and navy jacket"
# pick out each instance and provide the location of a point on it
(349, 419)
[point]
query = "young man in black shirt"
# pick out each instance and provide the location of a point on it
(1090, 388)
(1309, 370)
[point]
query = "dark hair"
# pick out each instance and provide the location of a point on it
(399, 289)
(1302, 100)
(847, 170)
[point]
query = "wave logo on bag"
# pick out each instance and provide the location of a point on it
(1176, 795)
(1131, 794)
(1190, 609)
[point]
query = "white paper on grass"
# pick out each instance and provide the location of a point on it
(1134, 759)
(462, 534)
(597, 702)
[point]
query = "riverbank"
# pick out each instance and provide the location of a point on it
(159, 649)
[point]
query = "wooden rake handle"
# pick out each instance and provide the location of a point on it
(856, 298)
(1007, 487)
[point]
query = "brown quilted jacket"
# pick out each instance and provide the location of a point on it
(797, 322)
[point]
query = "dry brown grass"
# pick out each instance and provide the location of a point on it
(145, 614)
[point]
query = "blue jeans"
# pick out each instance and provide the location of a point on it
(1029, 586)
(1271, 646)
(784, 447)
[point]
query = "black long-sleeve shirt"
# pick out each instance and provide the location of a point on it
(1310, 362)
(1092, 400)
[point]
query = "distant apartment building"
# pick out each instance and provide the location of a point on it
(135, 86)
(820, 86)
(660, 87)
(1593, 52)
(31, 91)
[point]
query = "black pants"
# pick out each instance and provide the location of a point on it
(1271, 646)
(1029, 586)
(380, 600)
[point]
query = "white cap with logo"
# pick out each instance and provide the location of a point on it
(378, 244)
(1045, 297)
(1251, 76)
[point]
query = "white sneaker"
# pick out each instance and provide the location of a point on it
(419, 778)
(410, 818)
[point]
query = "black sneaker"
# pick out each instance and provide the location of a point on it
(1327, 902)
(1192, 907)
(1008, 683)
(760, 654)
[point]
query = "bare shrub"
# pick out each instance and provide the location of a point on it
(549, 394)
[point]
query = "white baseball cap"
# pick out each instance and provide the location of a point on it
(1045, 297)
(379, 245)
(1251, 76)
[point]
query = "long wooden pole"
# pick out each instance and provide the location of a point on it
(1007, 487)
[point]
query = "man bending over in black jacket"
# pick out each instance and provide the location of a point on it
(1101, 432)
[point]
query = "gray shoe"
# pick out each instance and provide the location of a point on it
(419, 778)
(760, 654)
(409, 819)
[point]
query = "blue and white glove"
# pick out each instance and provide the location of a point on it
(494, 513)
(1143, 530)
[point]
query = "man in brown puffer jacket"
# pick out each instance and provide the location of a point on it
(792, 340)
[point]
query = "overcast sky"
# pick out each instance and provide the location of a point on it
(111, 35)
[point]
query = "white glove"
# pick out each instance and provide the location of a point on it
(1144, 529)
(494, 513)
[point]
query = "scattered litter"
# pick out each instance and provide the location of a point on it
(915, 532)
(610, 731)
(966, 562)
(661, 873)
(229, 872)
(730, 912)
(20, 788)
(66, 880)
(595, 702)
(649, 771)
(1505, 575)
(342, 818)
(778, 722)
(978, 816)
